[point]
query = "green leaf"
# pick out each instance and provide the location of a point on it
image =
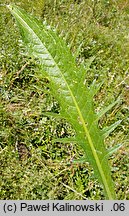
(67, 86)
(114, 149)
(106, 109)
(51, 114)
(65, 140)
(111, 151)
(80, 160)
(108, 130)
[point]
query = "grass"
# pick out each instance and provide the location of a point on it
(101, 30)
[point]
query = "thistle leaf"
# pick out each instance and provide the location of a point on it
(108, 130)
(67, 86)
(51, 114)
(114, 149)
(111, 151)
(80, 160)
(106, 109)
(65, 140)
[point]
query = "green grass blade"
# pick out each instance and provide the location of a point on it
(67, 86)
